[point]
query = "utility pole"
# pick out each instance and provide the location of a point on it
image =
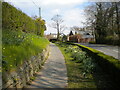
(40, 12)
(39, 15)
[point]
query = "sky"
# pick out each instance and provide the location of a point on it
(72, 11)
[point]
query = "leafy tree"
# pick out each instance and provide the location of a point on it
(40, 26)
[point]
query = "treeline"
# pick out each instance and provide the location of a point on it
(104, 18)
(14, 19)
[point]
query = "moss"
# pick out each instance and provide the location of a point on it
(107, 57)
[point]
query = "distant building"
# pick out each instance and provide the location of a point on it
(83, 37)
(51, 36)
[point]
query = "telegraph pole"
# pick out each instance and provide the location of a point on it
(39, 9)
(40, 12)
(39, 15)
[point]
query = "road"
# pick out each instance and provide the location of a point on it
(106, 49)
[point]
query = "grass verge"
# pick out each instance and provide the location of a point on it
(19, 46)
(76, 78)
(96, 79)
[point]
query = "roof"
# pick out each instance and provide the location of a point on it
(87, 36)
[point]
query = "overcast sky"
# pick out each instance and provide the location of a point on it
(72, 11)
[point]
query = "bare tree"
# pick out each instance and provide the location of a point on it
(57, 21)
(62, 28)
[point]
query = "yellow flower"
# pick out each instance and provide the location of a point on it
(10, 65)
(18, 35)
(75, 47)
(75, 51)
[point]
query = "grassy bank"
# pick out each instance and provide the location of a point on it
(108, 63)
(20, 46)
(77, 76)
(83, 71)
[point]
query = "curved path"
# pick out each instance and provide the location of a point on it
(54, 73)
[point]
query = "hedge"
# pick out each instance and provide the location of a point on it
(15, 19)
(108, 63)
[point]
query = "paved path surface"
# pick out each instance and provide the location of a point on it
(53, 73)
(106, 49)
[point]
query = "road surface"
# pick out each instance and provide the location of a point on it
(106, 49)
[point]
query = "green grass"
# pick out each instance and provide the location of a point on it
(19, 46)
(96, 79)
(76, 78)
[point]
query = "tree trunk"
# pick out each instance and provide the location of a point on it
(58, 33)
(117, 20)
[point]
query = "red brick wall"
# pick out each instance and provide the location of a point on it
(78, 38)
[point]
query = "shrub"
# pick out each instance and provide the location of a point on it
(89, 65)
(92, 42)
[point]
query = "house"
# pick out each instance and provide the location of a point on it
(51, 36)
(85, 37)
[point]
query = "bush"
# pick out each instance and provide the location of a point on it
(92, 42)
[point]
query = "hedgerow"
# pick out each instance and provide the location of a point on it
(15, 19)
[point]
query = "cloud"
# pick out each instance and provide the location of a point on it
(70, 10)
(74, 17)
(61, 2)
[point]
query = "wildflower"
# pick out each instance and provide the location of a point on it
(75, 51)
(10, 65)
(18, 35)
(75, 47)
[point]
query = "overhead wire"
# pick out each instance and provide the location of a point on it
(35, 4)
